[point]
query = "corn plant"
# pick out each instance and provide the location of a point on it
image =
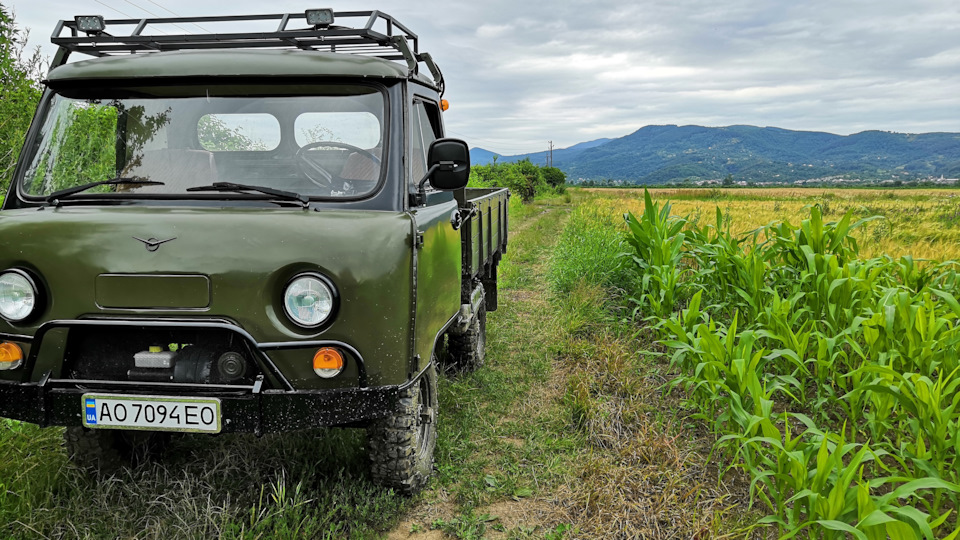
(832, 381)
(657, 239)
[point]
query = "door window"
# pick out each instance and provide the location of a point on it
(423, 131)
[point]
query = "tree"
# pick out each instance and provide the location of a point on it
(83, 148)
(554, 177)
(216, 135)
(524, 178)
(728, 180)
(20, 75)
(528, 180)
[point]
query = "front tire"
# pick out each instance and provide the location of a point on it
(401, 445)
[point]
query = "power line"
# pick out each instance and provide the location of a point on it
(175, 14)
(115, 9)
(478, 138)
(514, 152)
(124, 14)
(512, 149)
(474, 138)
(152, 14)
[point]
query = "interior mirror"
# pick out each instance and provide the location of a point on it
(450, 161)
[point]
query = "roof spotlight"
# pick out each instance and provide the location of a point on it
(91, 24)
(319, 18)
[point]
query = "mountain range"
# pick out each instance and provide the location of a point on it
(672, 154)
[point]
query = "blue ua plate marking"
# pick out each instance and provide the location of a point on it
(91, 410)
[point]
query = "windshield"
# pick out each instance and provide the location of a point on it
(327, 145)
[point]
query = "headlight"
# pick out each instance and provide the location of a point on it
(18, 295)
(309, 300)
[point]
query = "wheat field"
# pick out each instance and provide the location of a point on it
(922, 223)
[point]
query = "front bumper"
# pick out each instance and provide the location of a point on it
(268, 405)
(58, 402)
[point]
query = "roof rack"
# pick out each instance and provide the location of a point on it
(391, 40)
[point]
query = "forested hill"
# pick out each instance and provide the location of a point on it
(660, 154)
(480, 156)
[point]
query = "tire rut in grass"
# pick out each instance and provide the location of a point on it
(499, 444)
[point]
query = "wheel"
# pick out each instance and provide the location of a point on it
(401, 445)
(315, 172)
(107, 451)
(466, 351)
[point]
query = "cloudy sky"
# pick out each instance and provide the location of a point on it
(523, 73)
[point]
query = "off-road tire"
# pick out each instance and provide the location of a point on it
(401, 446)
(106, 451)
(465, 352)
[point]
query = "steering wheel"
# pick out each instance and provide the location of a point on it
(315, 172)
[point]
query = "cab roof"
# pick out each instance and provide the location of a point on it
(232, 63)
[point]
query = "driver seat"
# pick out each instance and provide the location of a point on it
(359, 167)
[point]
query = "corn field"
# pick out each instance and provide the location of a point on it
(830, 380)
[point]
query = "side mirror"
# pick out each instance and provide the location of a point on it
(449, 159)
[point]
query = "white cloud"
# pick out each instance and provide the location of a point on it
(944, 59)
(491, 31)
(520, 74)
(634, 73)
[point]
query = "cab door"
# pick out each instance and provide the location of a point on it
(437, 238)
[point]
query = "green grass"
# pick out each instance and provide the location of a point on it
(587, 250)
(643, 472)
(312, 484)
(500, 440)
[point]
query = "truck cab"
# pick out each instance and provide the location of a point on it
(243, 232)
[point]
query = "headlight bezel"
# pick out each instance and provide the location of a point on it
(38, 298)
(334, 296)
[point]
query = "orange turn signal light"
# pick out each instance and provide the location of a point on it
(328, 362)
(11, 355)
(444, 104)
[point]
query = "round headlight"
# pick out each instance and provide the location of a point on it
(308, 300)
(18, 295)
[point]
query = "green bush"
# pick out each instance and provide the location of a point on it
(86, 149)
(554, 178)
(523, 178)
(20, 91)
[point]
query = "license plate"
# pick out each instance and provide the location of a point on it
(154, 413)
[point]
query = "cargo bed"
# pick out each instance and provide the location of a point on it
(484, 237)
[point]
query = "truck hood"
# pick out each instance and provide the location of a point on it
(230, 263)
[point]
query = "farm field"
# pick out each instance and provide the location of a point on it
(610, 408)
(924, 223)
(818, 351)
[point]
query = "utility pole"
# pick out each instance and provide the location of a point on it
(550, 155)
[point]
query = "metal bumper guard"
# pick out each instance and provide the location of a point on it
(247, 409)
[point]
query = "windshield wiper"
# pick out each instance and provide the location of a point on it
(57, 195)
(278, 193)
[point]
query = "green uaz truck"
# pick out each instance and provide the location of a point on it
(243, 232)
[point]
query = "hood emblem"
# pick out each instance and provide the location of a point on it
(152, 243)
